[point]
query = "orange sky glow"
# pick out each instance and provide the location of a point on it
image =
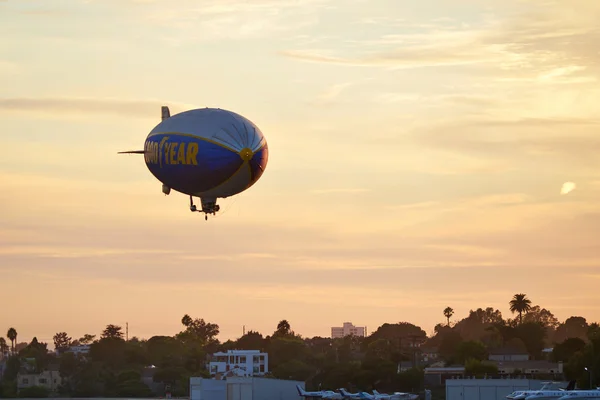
(421, 155)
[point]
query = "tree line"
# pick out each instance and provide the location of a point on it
(114, 367)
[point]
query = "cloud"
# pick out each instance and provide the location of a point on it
(339, 190)
(229, 19)
(567, 187)
(522, 43)
(8, 67)
(73, 106)
(331, 93)
(516, 140)
(414, 57)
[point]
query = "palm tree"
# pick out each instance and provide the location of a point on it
(12, 336)
(448, 312)
(521, 304)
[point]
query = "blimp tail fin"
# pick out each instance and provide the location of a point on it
(165, 112)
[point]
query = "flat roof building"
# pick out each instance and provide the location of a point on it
(346, 330)
(246, 362)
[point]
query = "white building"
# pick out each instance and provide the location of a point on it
(247, 388)
(346, 330)
(489, 389)
(250, 362)
(81, 349)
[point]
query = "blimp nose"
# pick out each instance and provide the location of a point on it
(246, 154)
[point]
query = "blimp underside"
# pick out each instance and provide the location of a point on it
(207, 153)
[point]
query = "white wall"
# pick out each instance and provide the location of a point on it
(244, 388)
(488, 389)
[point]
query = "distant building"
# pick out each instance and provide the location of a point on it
(248, 362)
(81, 349)
(506, 354)
(49, 379)
(346, 330)
(529, 367)
(429, 354)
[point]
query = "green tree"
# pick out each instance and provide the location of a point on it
(62, 341)
(3, 347)
(448, 346)
(475, 326)
(448, 312)
(379, 349)
(250, 341)
(520, 304)
(34, 392)
(593, 331)
(112, 331)
(11, 334)
(87, 339)
(565, 350)
(479, 368)
(198, 329)
(572, 327)
(37, 351)
(533, 335)
(471, 350)
(542, 316)
(283, 328)
(187, 320)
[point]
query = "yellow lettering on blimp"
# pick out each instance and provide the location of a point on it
(192, 153)
(171, 153)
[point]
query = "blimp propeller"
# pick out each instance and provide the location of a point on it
(208, 153)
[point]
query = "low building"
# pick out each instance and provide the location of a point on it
(436, 375)
(251, 362)
(49, 379)
(489, 389)
(347, 329)
(506, 354)
(244, 388)
(529, 367)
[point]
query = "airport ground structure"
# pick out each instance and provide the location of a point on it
(489, 389)
(244, 388)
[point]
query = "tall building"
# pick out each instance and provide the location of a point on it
(347, 329)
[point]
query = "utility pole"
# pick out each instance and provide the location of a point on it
(127, 331)
(243, 330)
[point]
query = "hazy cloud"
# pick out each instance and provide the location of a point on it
(564, 139)
(536, 41)
(231, 19)
(76, 106)
(331, 93)
(339, 190)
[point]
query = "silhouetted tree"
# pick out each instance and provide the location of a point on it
(11, 334)
(283, 328)
(87, 339)
(3, 347)
(448, 312)
(112, 331)
(198, 329)
(62, 341)
(520, 304)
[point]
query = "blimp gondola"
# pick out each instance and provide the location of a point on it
(209, 153)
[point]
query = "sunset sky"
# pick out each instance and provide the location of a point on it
(418, 151)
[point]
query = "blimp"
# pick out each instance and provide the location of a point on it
(209, 153)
